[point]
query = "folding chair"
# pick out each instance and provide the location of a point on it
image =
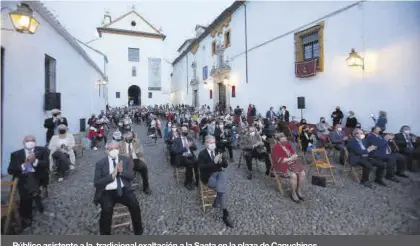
(278, 177)
(121, 217)
(354, 171)
(78, 138)
(178, 173)
(207, 196)
(321, 162)
(10, 210)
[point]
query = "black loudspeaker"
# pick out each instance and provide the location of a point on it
(82, 125)
(301, 102)
(52, 101)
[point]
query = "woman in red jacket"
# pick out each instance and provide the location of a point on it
(285, 161)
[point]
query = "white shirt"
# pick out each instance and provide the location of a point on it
(27, 153)
(130, 145)
(113, 184)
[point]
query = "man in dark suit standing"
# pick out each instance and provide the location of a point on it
(52, 123)
(184, 147)
(113, 178)
(406, 142)
(211, 164)
(270, 114)
(29, 165)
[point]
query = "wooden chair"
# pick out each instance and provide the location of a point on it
(354, 171)
(10, 209)
(178, 173)
(278, 177)
(322, 163)
(78, 139)
(121, 217)
(207, 196)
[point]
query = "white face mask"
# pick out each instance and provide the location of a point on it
(174, 129)
(220, 126)
(339, 129)
(362, 136)
(252, 133)
(212, 146)
(407, 132)
(113, 153)
(29, 145)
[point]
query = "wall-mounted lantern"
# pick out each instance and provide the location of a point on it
(355, 60)
(23, 19)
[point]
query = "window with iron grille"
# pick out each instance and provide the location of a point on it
(133, 54)
(117, 94)
(50, 74)
(205, 73)
(310, 46)
(150, 95)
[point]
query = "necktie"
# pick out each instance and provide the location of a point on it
(119, 188)
(212, 155)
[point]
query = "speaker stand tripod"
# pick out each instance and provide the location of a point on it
(301, 114)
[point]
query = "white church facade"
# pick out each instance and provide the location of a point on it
(137, 69)
(270, 53)
(47, 63)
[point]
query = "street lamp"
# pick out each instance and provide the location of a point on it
(355, 60)
(23, 20)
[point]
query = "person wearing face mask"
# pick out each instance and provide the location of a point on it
(307, 139)
(167, 130)
(383, 154)
(254, 148)
(52, 123)
(284, 114)
(359, 156)
(133, 150)
(337, 116)
(211, 128)
(113, 182)
(322, 129)
(30, 166)
(117, 136)
(223, 139)
(212, 164)
(183, 148)
(301, 125)
(408, 146)
(351, 120)
(286, 162)
(156, 123)
(61, 152)
(338, 139)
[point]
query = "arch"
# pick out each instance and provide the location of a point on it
(134, 93)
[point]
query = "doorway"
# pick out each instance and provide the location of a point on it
(195, 98)
(222, 95)
(134, 93)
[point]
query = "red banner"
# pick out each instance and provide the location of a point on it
(305, 68)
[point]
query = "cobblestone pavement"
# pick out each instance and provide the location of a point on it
(256, 206)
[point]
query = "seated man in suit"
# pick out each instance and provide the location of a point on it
(406, 142)
(170, 138)
(383, 153)
(211, 164)
(254, 148)
(183, 147)
(338, 140)
(113, 178)
(29, 166)
(132, 149)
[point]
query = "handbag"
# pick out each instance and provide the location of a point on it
(319, 181)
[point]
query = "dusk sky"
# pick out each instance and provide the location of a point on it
(176, 18)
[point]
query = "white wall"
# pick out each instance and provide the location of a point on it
(24, 84)
(387, 34)
(119, 68)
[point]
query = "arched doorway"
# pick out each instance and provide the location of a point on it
(134, 93)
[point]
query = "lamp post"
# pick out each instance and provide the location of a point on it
(101, 82)
(355, 60)
(23, 19)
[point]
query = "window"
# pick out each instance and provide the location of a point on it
(227, 38)
(150, 95)
(205, 73)
(213, 48)
(309, 45)
(133, 23)
(50, 74)
(133, 72)
(211, 94)
(117, 94)
(133, 54)
(233, 91)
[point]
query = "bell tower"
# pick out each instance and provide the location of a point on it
(107, 18)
